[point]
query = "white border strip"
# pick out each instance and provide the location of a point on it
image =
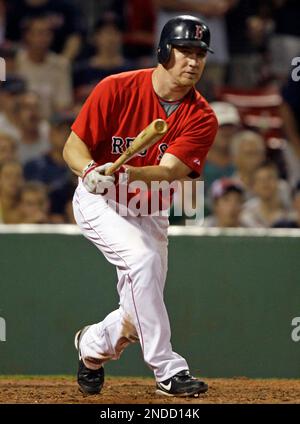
(67, 229)
(233, 232)
(192, 230)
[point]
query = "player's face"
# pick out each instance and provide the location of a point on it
(186, 65)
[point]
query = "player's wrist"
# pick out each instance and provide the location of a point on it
(88, 168)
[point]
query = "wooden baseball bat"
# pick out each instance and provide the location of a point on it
(149, 136)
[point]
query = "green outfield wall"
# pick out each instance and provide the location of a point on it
(232, 300)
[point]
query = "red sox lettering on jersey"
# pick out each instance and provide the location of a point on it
(119, 145)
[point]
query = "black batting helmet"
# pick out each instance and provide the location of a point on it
(183, 30)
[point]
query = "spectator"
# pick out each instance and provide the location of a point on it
(219, 161)
(108, 58)
(69, 215)
(50, 168)
(294, 220)
(249, 25)
(64, 17)
(60, 199)
(139, 31)
(296, 205)
(10, 91)
(11, 181)
(2, 21)
(248, 153)
(33, 137)
(46, 73)
(266, 208)
(227, 200)
(34, 204)
(296, 202)
(9, 52)
(7, 148)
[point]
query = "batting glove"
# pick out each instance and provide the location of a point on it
(94, 178)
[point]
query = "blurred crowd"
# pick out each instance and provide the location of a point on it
(56, 51)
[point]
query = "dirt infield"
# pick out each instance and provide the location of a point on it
(138, 390)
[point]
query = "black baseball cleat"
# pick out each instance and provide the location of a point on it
(181, 384)
(90, 381)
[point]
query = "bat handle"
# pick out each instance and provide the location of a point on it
(113, 168)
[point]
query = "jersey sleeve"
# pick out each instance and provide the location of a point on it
(192, 146)
(91, 124)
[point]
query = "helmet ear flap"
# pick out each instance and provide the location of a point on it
(163, 53)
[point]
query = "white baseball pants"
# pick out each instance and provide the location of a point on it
(137, 246)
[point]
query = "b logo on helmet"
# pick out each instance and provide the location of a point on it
(199, 32)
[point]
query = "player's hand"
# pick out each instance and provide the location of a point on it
(94, 178)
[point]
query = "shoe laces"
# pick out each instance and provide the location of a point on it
(184, 375)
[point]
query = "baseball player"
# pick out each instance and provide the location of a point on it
(117, 110)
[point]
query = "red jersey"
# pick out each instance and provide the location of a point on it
(122, 105)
